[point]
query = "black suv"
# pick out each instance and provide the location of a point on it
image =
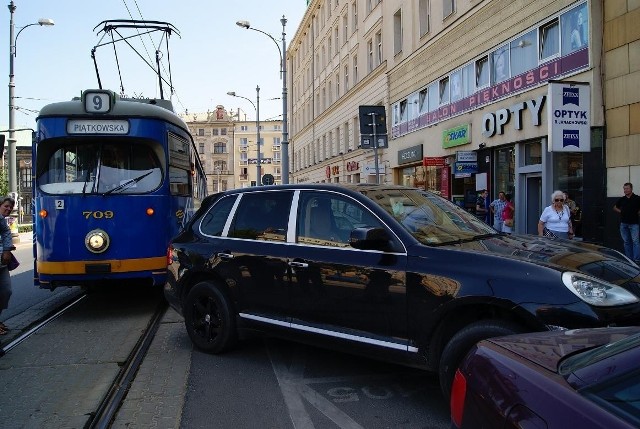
(387, 271)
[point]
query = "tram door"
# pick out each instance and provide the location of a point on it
(533, 200)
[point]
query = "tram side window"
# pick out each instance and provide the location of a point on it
(179, 166)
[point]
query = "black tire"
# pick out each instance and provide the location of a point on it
(460, 344)
(209, 318)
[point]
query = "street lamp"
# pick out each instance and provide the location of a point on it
(13, 186)
(257, 108)
(283, 70)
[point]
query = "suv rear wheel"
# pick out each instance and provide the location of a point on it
(209, 319)
(460, 344)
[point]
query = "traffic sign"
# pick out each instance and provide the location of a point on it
(366, 114)
(268, 179)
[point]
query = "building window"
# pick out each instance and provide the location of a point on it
(219, 147)
(500, 64)
(214, 132)
(355, 69)
(444, 91)
(468, 80)
(354, 15)
(397, 32)
(423, 16)
(379, 45)
(201, 147)
(369, 55)
(345, 24)
(549, 40)
(448, 7)
(201, 132)
(337, 38)
(456, 85)
(423, 101)
(482, 72)
(523, 53)
(244, 128)
(223, 131)
(337, 87)
(329, 45)
(346, 78)
(25, 179)
(575, 32)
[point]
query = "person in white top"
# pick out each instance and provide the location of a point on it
(556, 218)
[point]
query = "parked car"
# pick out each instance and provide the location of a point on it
(584, 378)
(391, 272)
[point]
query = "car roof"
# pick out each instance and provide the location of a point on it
(341, 187)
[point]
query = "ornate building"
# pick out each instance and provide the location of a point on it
(228, 149)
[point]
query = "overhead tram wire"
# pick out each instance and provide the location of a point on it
(170, 83)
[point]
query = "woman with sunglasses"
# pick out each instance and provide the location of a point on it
(556, 218)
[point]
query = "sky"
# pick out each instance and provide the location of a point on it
(210, 57)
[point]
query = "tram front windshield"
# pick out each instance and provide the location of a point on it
(103, 168)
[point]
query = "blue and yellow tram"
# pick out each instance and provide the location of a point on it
(114, 180)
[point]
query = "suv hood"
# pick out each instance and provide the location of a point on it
(562, 255)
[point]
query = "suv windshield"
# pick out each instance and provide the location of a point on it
(428, 217)
(104, 168)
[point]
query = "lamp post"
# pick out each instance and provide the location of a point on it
(283, 70)
(256, 106)
(13, 185)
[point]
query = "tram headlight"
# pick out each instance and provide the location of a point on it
(97, 241)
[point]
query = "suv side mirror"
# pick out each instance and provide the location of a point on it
(370, 239)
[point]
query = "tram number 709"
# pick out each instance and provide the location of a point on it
(108, 214)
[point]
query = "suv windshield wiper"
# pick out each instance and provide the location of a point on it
(127, 183)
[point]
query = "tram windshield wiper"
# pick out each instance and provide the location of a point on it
(127, 183)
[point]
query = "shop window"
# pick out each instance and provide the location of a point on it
(505, 170)
(533, 153)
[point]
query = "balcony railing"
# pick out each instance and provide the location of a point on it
(244, 162)
(276, 147)
(243, 148)
(244, 177)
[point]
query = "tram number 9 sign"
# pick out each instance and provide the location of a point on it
(97, 102)
(107, 214)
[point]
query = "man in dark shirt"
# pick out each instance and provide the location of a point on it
(629, 209)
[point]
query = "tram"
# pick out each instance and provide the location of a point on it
(114, 180)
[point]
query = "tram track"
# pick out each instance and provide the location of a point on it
(41, 323)
(116, 394)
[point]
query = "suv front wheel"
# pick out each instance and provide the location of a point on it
(209, 318)
(460, 344)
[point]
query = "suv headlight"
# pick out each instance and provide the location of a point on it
(597, 292)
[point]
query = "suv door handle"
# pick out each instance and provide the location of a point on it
(296, 264)
(225, 256)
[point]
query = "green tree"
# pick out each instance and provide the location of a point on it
(4, 181)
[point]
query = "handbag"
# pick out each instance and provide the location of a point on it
(13, 263)
(508, 222)
(548, 233)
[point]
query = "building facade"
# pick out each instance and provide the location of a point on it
(213, 136)
(498, 94)
(226, 142)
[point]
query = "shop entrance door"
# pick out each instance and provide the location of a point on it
(533, 200)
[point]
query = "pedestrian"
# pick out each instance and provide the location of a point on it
(573, 207)
(556, 218)
(6, 245)
(508, 215)
(481, 206)
(496, 207)
(629, 207)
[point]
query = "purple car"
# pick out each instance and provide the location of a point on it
(582, 378)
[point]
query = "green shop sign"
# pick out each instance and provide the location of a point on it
(456, 136)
